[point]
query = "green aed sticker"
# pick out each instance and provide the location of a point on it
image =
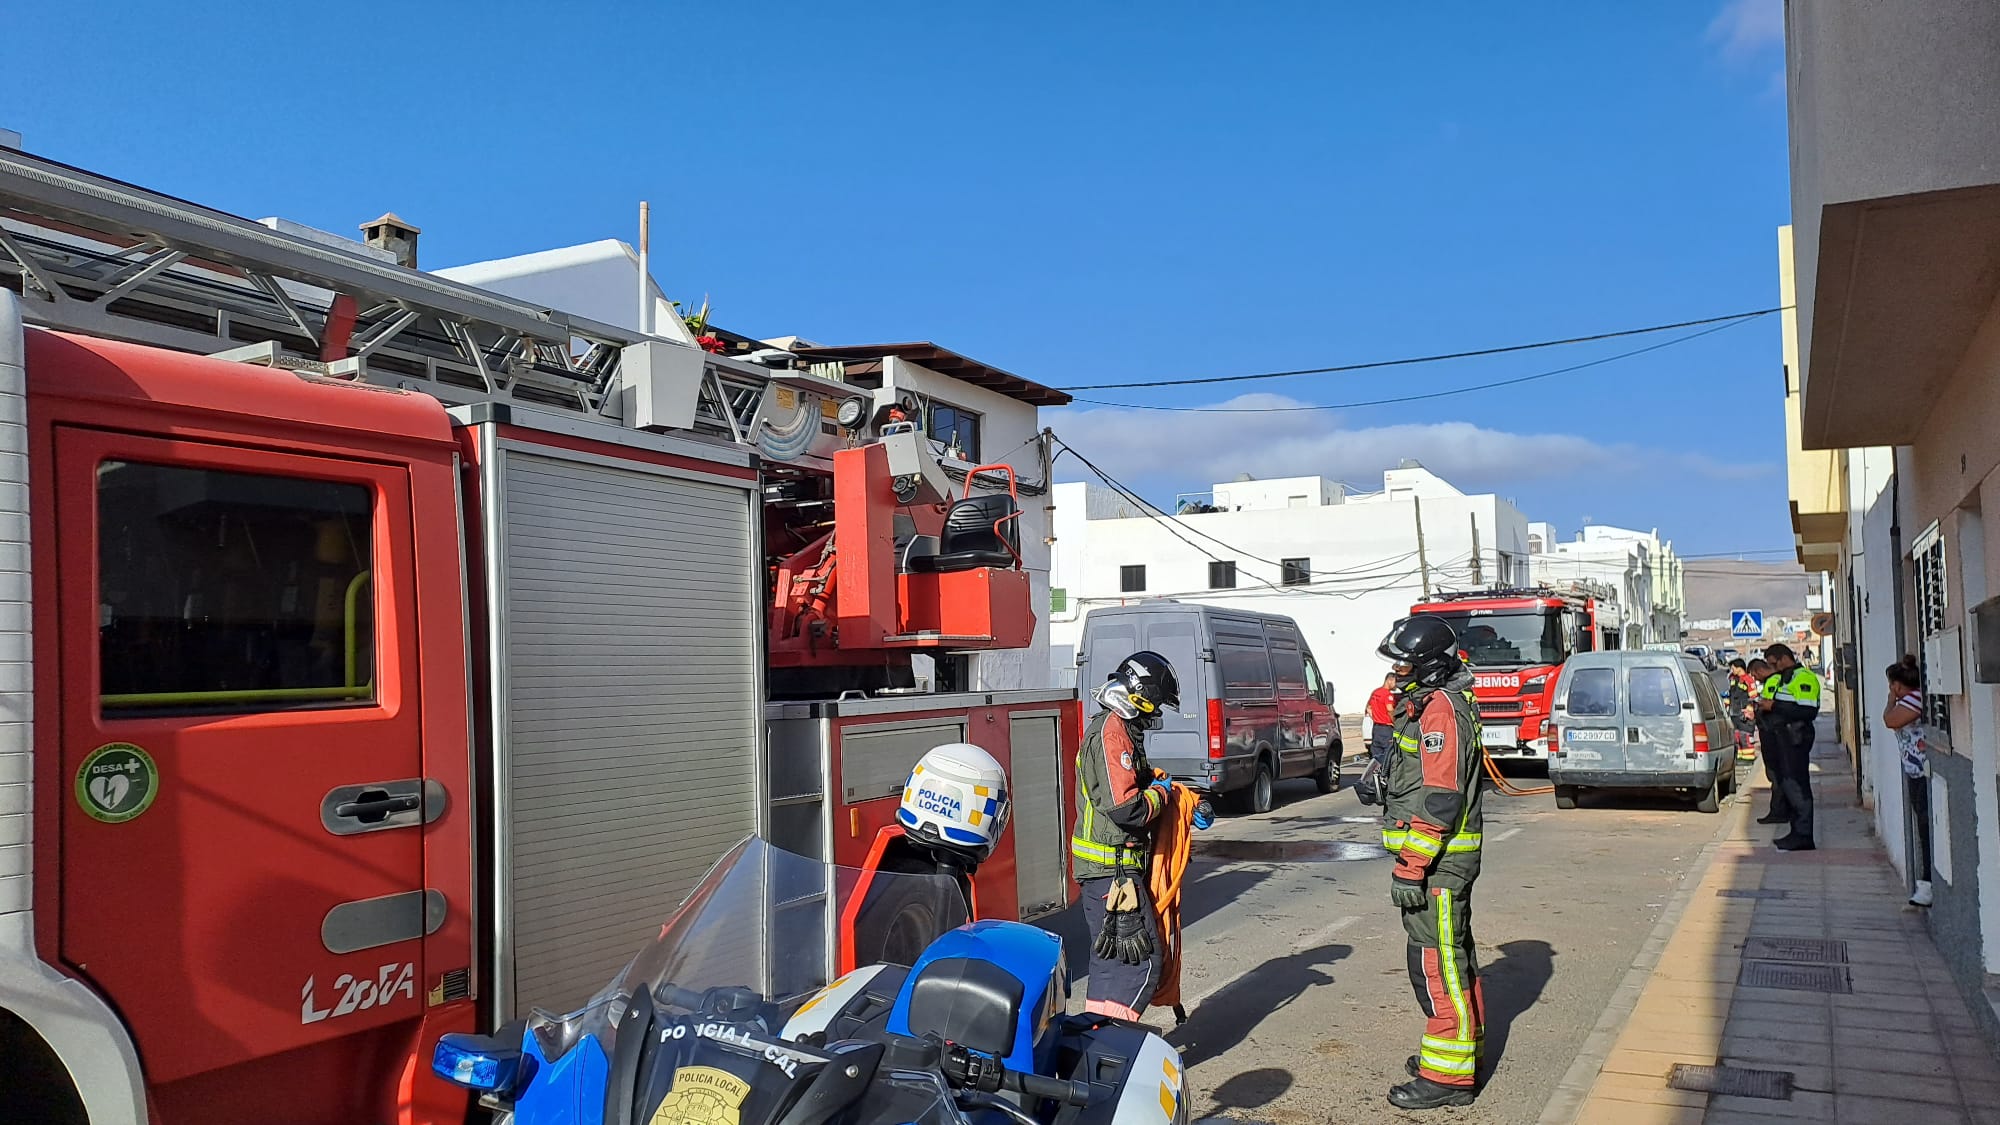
(117, 782)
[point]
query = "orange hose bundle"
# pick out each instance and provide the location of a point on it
(1173, 841)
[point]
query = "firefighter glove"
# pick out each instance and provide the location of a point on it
(1204, 816)
(1408, 894)
(1123, 937)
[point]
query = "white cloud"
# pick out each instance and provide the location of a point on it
(1192, 449)
(1746, 27)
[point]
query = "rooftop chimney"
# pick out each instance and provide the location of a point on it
(394, 235)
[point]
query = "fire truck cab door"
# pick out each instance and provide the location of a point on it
(242, 871)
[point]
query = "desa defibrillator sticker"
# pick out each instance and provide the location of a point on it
(116, 782)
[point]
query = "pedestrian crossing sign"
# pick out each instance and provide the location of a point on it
(1746, 623)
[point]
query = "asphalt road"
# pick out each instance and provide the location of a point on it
(1299, 1001)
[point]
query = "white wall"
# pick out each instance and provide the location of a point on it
(1342, 615)
(1872, 562)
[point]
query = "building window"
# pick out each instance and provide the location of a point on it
(1297, 572)
(1928, 563)
(1222, 575)
(1058, 600)
(955, 429)
(1131, 579)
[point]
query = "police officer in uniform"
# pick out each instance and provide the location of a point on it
(1119, 798)
(1431, 822)
(1793, 705)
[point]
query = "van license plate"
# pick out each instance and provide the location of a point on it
(1589, 734)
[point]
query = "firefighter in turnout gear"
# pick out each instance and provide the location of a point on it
(1118, 800)
(1431, 822)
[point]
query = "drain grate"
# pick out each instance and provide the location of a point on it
(1734, 1081)
(1795, 949)
(1733, 893)
(1795, 978)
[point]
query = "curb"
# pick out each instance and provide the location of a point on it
(1566, 1102)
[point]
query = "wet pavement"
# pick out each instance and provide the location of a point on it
(1299, 1000)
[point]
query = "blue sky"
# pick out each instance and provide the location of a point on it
(1081, 193)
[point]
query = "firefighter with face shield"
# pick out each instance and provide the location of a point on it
(1118, 802)
(1431, 824)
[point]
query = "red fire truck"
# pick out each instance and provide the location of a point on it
(381, 656)
(1516, 640)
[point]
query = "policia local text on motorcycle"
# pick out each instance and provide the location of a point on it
(1432, 819)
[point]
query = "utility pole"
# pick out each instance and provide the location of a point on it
(1478, 564)
(1423, 560)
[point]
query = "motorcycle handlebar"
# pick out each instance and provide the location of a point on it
(1038, 1086)
(679, 997)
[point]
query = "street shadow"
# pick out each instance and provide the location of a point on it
(1208, 892)
(1228, 1016)
(1635, 800)
(1252, 1089)
(1512, 983)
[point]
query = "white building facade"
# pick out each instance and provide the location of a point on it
(1343, 565)
(1641, 569)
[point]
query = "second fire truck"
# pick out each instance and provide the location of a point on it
(1516, 641)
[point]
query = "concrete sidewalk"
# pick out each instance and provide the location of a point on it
(1805, 970)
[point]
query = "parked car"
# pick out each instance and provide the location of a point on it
(1254, 707)
(1640, 720)
(1729, 654)
(1704, 654)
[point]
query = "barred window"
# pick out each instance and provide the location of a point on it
(1928, 563)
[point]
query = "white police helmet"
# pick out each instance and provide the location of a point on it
(956, 799)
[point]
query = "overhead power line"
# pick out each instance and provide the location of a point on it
(1744, 319)
(1372, 365)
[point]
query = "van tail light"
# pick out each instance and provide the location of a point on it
(1215, 732)
(1701, 745)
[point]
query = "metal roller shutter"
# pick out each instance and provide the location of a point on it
(631, 725)
(1040, 844)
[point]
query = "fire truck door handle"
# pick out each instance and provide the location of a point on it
(379, 806)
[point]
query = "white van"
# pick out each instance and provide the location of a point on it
(1640, 720)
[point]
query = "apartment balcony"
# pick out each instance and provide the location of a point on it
(1895, 127)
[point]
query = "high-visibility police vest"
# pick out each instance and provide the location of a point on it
(1800, 686)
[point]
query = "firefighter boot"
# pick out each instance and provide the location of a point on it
(1422, 1093)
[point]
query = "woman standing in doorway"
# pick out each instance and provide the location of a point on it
(1905, 716)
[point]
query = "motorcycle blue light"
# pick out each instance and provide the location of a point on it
(477, 1062)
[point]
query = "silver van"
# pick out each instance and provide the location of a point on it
(1640, 720)
(1254, 707)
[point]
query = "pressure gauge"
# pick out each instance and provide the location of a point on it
(850, 413)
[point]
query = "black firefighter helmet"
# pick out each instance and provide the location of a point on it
(1427, 644)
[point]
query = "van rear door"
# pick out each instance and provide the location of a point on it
(1659, 731)
(1180, 744)
(1592, 736)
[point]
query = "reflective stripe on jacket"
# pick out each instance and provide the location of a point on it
(1434, 815)
(1114, 800)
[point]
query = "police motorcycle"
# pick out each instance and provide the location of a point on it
(728, 1016)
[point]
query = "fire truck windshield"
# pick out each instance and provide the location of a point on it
(1510, 640)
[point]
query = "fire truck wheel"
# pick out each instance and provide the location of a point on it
(37, 1084)
(1709, 800)
(1565, 796)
